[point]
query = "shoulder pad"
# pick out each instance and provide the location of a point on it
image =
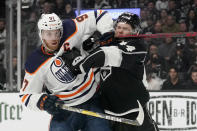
(35, 60)
(69, 28)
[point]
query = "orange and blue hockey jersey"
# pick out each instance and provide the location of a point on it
(50, 71)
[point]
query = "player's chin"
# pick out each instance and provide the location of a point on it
(54, 46)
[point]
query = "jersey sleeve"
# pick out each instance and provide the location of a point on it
(101, 57)
(31, 90)
(123, 56)
(86, 24)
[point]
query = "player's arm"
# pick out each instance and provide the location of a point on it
(32, 95)
(98, 20)
(31, 90)
(86, 24)
(101, 57)
(124, 57)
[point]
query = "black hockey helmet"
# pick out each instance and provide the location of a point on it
(132, 19)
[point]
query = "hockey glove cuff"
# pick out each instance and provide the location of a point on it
(106, 39)
(48, 103)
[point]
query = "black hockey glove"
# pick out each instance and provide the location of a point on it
(48, 103)
(88, 44)
(76, 64)
(69, 57)
(106, 39)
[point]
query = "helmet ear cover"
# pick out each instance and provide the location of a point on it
(132, 19)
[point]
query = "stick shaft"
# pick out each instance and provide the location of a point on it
(164, 35)
(101, 115)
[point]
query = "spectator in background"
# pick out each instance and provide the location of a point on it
(183, 28)
(47, 7)
(2, 34)
(153, 82)
(122, 3)
(152, 49)
(141, 3)
(147, 41)
(192, 83)
(161, 4)
(190, 44)
(184, 8)
(60, 5)
(194, 5)
(119, 3)
(180, 60)
(152, 11)
(101, 4)
(87, 4)
(163, 16)
(150, 25)
(156, 66)
(157, 29)
(143, 15)
(173, 82)
(192, 57)
(173, 10)
(192, 67)
(190, 48)
(170, 26)
(191, 20)
(166, 49)
(68, 12)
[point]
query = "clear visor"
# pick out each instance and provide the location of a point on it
(51, 34)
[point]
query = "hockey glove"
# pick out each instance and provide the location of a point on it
(106, 39)
(68, 58)
(48, 103)
(88, 44)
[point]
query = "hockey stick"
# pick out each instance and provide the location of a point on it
(163, 35)
(138, 122)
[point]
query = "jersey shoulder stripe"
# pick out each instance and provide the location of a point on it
(100, 16)
(36, 60)
(69, 28)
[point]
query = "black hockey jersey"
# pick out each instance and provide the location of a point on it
(122, 69)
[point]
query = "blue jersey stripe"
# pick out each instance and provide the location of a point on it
(101, 16)
(27, 101)
(83, 94)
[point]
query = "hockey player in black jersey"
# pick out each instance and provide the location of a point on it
(121, 73)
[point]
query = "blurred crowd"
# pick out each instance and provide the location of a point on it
(171, 63)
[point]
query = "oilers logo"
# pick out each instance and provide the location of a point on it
(61, 72)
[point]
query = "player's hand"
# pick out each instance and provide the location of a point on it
(106, 39)
(48, 103)
(88, 44)
(76, 64)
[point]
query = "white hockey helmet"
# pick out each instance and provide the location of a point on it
(49, 22)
